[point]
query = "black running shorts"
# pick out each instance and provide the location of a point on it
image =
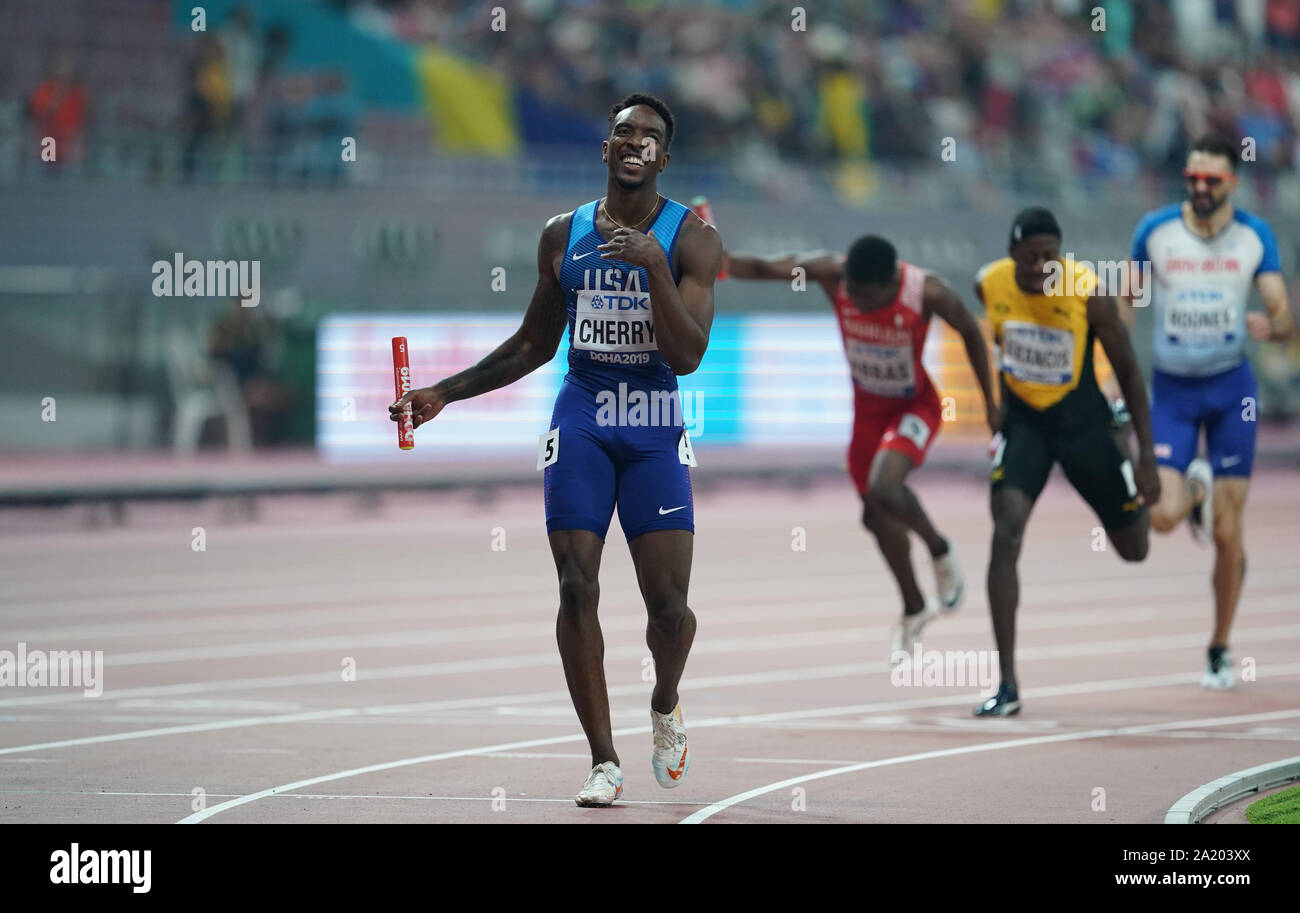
(1093, 462)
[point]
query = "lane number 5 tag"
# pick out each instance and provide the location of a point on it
(548, 448)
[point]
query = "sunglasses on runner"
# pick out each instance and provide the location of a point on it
(1211, 180)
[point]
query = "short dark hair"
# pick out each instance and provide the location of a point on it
(871, 260)
(1034, 220)
(659, 106)
(1216, 144)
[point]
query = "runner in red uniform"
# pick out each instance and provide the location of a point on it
(884, 309)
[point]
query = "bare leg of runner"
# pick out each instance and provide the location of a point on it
(889, 492)
(577, 555)
(891, 535)
(1011, 508)
(663, 572)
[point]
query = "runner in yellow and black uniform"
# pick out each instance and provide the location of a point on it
(1046, 311)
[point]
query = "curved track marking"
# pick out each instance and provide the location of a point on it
(1154, 681)
(389, 765)
(711, 810)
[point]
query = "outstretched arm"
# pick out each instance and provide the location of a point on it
(822, 267)
(532, 345)
(942, 300)
(682, 312)
(1103, 315)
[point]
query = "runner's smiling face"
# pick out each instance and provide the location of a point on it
(635, 150)
(1033, 256)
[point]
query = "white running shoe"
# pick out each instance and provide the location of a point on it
(1201, 518)
(907, 631)
(948, 579)
(604, 785)
(1219, 672)
(670, 760)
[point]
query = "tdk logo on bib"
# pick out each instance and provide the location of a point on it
(612, 313)
(620, 302)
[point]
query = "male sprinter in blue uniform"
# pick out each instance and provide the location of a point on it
(1199, 259)
(633, 273)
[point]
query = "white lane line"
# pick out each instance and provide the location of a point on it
(508, 799)
(211, 726)
(310, 592)
(1066, 690)
(430, 604)
(791, 761)
(721, 681)
(1240, 736)
(96, 792)
(711, 810)
(186, 601)
(207, 813)
(531, 631)
(829, 605)
(277, 620)
(1108, 618)
(718, 681)
(570, 755)
(368, 796)
(537, 631)
(298, 584)
(1075, 688)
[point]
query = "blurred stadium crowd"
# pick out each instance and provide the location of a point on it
(1026, 84)
(167, 138)
(1030, 90)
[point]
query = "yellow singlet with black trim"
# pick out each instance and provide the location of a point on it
(1044, 341)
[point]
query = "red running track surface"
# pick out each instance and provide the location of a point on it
(224, 668)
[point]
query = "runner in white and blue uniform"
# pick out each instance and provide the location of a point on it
(632, 276)
(1199, 260)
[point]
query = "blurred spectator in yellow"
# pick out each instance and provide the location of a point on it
(243, 53)
(210, 107)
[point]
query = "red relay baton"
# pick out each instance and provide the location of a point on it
(700, 206)
(402, 386)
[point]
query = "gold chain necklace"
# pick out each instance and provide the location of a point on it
(658, 197)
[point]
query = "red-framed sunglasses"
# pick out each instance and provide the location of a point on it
(1211, 180)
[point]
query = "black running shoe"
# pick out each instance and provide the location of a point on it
(1220, 674)
(1005, 703)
